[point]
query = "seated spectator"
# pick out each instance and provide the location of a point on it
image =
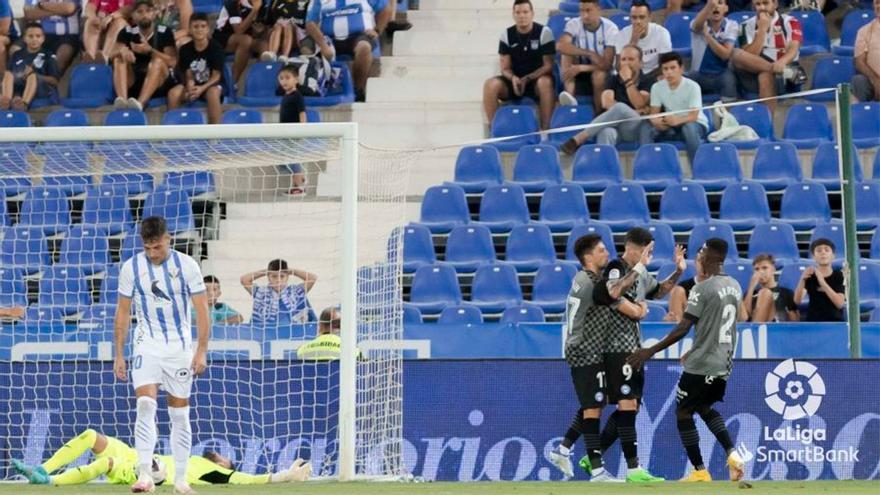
(526, 50)
(713, 38)
(327, 345)
(104, 20)
(143, 59)
(287, 19)
(673, 94)
(8, 34)
(764, 300)
(238, 30)
(652, 38)
(31, 73)
(627, 96)
(292, 111)
(823, 284)
(280, 303)
(174, 15)
(60, 21)
(679, 294)
(587, 48)
(354, 27)
(220, 312)
(200, 69)
(767, 58)
(866, 82)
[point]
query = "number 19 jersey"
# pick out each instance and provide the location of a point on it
(714, 303)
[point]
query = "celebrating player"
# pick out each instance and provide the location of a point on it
(162, 281)
(712, 306)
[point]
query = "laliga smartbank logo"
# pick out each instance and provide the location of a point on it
(794, 389)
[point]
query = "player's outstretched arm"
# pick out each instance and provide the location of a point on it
(637, 359)
(120, 330)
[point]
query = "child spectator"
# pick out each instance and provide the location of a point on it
(237, 30)
(174, 15)
(652, 38)
(220, 312)
(823, 284)
(288, 21)
(292, 111)
(31, 73)
(60, 21)
(8, 34)
(278, 303)
(104, 19)
(713, 38)
(200, 67)
(587, 49)
(765, 300)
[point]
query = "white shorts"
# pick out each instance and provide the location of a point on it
(171, 373)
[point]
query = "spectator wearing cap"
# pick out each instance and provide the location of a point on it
(653, 39)
(280, 302)
(61, 27)
(104, 20)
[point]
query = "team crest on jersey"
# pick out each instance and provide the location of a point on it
(625, 389)
(159, 296)
(614, 274)
(182, 375)
(599, 396)
(535, 44)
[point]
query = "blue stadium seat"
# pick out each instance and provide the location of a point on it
(85, 247)
(869, 286)
(503, 207)
(131, 245)
(701, 233)
(537, 168)
(461, 314)
(626, 5)
(743, 205)
(777, 166)
(68, 169)
(12, 118)
(46, 208)
(716, 166)
(91, 86)
(826, 166)
(867, 205)
(433, 288)
(207, 6)
(260, 83)
(110, 284)
(556, 22)
(313, 115)
(24, 247)
(183, 116)
(64, 288)
(828, 73)
(174, 205)
(67, 117)
(853, 21)
(49, 319)
(13, 290)
(478, 167)
(815, 35)
(866, 124)
(495, 288)
(679, 26)
(741, 270)
(656, 313)
(591, 228)
(514, 120)
(529, 247)
(524, 313)
(443, 208)
(125, 117)
(757, 116)
(834, 232)
(563, 207)
(684, 205)
(623, 207)
(97, 318)
(807, 125)
(188, 153)
(119, 163)
(13, 161)
(337, 95)
(741, 16)
(664, 244)
(551, 286)
(411, 314)
(621, 19)
(595, 167)
(418, 248)
(656, 167)
(792, 272)
(469, 247)
(805, 204)
(242, 116)
(774, 238)
(666, 270)
(875, 247)
(107, 206)
(566, 116)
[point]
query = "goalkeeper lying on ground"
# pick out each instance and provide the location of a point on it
(119, 462)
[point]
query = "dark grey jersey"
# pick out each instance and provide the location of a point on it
(585, 321)
(623, 335)
(714, 303)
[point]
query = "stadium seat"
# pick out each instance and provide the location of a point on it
(537, 168)
(621, 19)
(866, 124)
(67, 117)
(242, 116)
(478, 167)
(85, 247)
(656, 313)
(556, 22)
(49, 319)
(679, 26)
(110, 284)
(524, 313)
(774, 238)
(623, 207)
(716, 166)
(815, 35)
(702, 233)
(805, 204)
(468, 247)
(64, 288)
(433, 288)
(777, 166)
(97, 318)
(828, 73)
(792, 272)
(515, 120)
(743, 205)
(874, 252)
(503, 207)
(529, 247)
(260, 83)
(443, 208)
(461, 314)
(46, 208)
(13, 162)
(551, 286)
(684, 205)
(131, 245)
(313, 115)
(207, 6)
(183, 116)
(656, 167)
(107, 207)
(592, 228)
(741, 270)
(867, 205)
(807, 125)
(757, 116)
(120, 163)
(125, 117)
(67, 168)
(195, 183)
(853, 21)
(91, 86)
(411, 314)
(595, 167)
(13, 290)
(495, 288)
(869, 286)
(626, 5)
(174, 205)
(826, 166)
(566, 116)
(12, 118)
(741, 16)
(563, 207)
(337, 95)
(834, 232)
(24, 247)
(418, 248)
(664, 244)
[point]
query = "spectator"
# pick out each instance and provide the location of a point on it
(143, 59)
(174, 15)
(60, 21)
(770, 43)
(280, 303)
(823, 284)
(587, 48)
(104, 20)
(675, 93)
(652, 38)
(866, 82)
(713, 38)
(626, 96)
(327, 345)
(8, 34)
(220, 312)
(354, 27)
(200, 68)
(292, 111)
(526, 50)
(679, 294)
(32, 73)
(765, 300)
(236, 31)
(288, 21)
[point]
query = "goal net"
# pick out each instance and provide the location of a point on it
(235, 198)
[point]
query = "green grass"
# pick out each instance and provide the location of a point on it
(501, 488)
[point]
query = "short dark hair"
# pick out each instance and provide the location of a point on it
(716, 249)
(277, 265)
(198, 16)
(210, 279)
(327, 318)
(590, 1)
(641, 3)
(822, 241)
(32, 25)
(153, 228)
(524, 2)
(292, 68)
(634, 47)
(638, 236)
(211, 455)
(585, 245)
(763, 257)
(671, 57)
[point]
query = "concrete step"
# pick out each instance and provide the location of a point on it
(417, 113)
(430, 43)
(387, 89)
(394, 135)
(483, 71)
(469, 60)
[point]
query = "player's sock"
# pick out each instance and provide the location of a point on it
(181, 441)
(626, 428)
(83, 474)
(716, 425)
(609, 432)
(574, 430)
(591, 441)
(71, 450)
(145, 433)
(690, 438)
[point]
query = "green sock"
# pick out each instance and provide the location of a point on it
(71, 450)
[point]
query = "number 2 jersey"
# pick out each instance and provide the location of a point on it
(714, 303)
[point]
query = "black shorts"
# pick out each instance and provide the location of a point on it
(583, 84)
(347, 46)
(624, 381)
(748, 82)
(697, 391)
(589, 385)
(531, 90)
(134, 90)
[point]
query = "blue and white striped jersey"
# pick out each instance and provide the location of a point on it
(341, 19)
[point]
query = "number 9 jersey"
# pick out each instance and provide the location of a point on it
(714, 304)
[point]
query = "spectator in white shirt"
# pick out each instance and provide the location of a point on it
(652, 38)
(587, 48)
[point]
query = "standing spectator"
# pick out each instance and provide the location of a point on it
(8, 34)
(713, 38)
(823, 284)
(60, 21)
(292, 111)
(770, 43)
(221, 312)
(866, 82)
(354, 27)
(200, 68)
(104, 19)
(765, 300)
(236, 31)
(287, 19)
(673, 94)
(627, 96)
(143, 59)
(652, 38)
(32, 72)
(279, 303)
(174, 15)
(587, 48)
(526, 50)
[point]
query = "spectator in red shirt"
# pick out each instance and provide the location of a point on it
(104, 19)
